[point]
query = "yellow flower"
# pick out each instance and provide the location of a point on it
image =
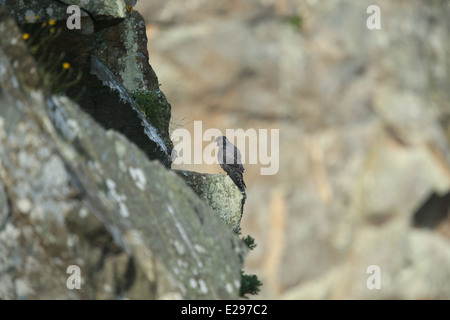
(66, 65)
(44, 24)
(36, 17)
(51, 22)
(52, 30)
(25, 36)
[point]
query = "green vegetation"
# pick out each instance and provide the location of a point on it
(56, 72)
(154, 106)
(250, 242)
(250, 283)
(295, 22)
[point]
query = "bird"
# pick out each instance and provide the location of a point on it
(230, 160)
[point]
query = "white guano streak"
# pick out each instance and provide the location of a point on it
(184, 236)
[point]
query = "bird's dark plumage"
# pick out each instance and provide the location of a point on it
(230, 160)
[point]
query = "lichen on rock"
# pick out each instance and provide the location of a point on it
(220, 193)
(85, 185)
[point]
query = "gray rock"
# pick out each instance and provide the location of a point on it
(34, 11)
(4, 212)
(120, 43)
(75, 194)
(220, 193)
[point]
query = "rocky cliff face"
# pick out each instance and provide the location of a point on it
(364, 125)
(89, 207)
(87, 197)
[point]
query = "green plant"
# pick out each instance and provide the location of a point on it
(250, 283)
(154, 106)
(250, 242)
(56, 72)
(148, 102)
(295, 22)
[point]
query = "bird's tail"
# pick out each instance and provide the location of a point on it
(238, 180)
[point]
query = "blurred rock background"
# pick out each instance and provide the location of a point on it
(364, 124)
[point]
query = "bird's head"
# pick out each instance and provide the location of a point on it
(220, 140)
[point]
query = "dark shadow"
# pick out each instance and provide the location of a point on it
(432, 212)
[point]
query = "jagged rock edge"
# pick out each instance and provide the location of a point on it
(109, 79)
